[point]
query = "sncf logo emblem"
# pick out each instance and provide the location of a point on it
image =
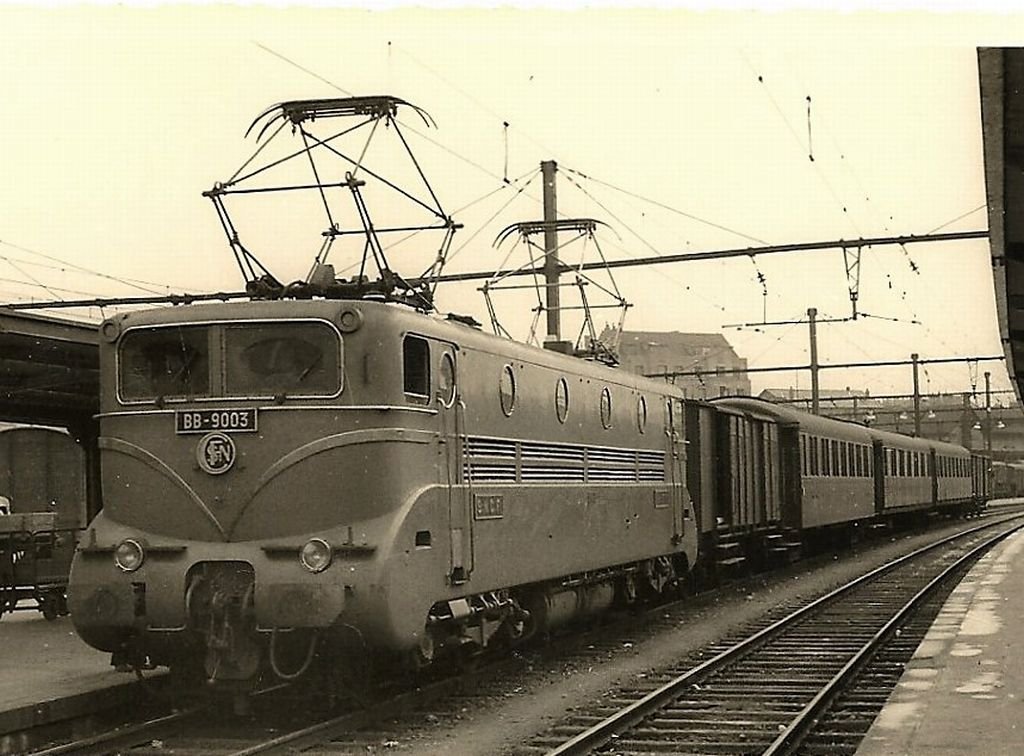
(215, 453)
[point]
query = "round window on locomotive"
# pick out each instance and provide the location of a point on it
(562, 400)
(641, 414)
(606, 407)
(507, 390)
(446, 379)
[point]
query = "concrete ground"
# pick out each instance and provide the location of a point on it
(963, 691)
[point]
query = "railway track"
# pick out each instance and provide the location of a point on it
(277, 724)
(810, 682)
(199, 731)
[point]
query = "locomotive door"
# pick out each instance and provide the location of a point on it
(451, 416)
(677, 460)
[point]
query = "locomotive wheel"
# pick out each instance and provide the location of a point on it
(49, 606)
(657, 576)
(467, 657)
(627, 589)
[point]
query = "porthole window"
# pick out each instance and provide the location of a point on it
(446, 379)
(507, 390)
(606, 407)
(641, 414)
(562, 400)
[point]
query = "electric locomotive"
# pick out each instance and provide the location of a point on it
(363, 477)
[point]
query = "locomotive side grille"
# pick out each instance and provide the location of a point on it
(490, 447)
(551, 474)
(650, 458)
(477, 472)
(651, 466)
(534, 450)
(497, 460)
(612, 475)
(612, 456)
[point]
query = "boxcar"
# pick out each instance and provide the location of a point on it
(42, 473)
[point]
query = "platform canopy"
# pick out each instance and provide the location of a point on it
(1001, 78)
(49, 370)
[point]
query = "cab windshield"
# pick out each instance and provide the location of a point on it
(251, 360)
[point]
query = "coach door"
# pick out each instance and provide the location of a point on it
(451, 417)
(677, 460)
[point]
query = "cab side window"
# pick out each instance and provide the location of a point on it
(416, 367)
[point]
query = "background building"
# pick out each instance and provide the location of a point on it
(660, 353)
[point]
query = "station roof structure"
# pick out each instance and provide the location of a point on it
(1001, 79)
(49, 369)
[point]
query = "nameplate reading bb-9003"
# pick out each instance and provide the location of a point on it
(207, 420)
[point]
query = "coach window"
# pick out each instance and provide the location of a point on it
(416, 367)
(561, 400)
(507, 390)
(606, 407)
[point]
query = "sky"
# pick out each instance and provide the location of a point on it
(683, 130)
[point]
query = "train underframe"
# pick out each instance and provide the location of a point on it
(223, 644)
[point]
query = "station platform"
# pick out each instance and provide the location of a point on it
(47, 673)
(963, 691)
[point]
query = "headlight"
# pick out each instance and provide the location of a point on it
(129, 555)
(315, 555)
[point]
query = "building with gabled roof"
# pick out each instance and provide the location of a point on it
(656, 353)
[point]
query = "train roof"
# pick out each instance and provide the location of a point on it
(823, 426)
(833, 428)
(405, 319)
(1016, 465)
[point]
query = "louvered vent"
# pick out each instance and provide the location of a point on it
(493, 460)
(651, 466)
(477, 472)
(551, 474)
(611, 456)
(490, 460)
(612, 475)
(490, 447)
(570, 452)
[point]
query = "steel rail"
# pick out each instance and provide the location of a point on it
(804, 721)
(104, 739)
(605, 731)
(116, 736)
(351, 721)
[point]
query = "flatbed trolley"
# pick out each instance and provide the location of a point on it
(34, 563)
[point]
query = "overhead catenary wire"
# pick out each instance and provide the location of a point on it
(669, 208)
(828, 184)
(136, 283)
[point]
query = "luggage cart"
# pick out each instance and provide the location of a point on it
(34, 559)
